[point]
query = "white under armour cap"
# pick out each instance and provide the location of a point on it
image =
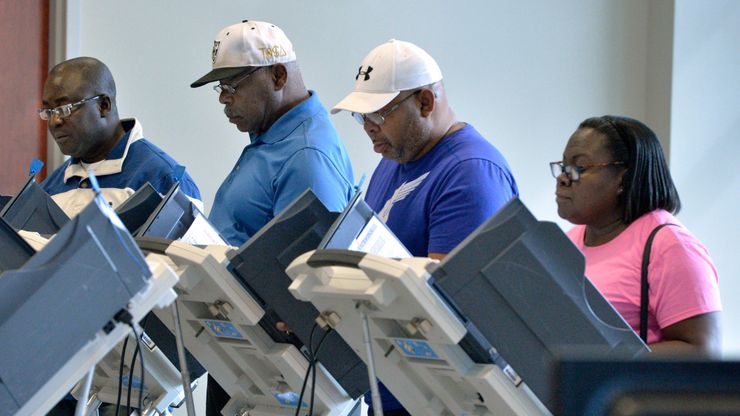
(387, 70)
(246, 44)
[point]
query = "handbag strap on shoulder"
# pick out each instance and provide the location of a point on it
(644, 286)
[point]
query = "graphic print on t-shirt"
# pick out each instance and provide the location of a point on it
(399, 194)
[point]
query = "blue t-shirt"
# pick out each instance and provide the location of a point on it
(133, 162)
(433, 203)
(300, 150)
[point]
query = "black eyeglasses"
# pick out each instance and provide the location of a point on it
(64, 111)
(574, 172)
(378, 118)
(231, 88)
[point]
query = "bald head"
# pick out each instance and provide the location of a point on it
(89, 71)
(92, 127)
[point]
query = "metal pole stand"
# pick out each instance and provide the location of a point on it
(189, 405)
(362, 307)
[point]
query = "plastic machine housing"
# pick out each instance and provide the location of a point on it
(521, 282)
(15, 250)
(655, 386)
(415, 336)
(32, 209)
(220, 324)
(260, 266)
(57, 310)
(137, 208)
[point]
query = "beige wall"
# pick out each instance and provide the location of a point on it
(705, 142)
(524, 73)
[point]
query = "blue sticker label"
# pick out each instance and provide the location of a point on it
(288, 398)
(222, 329)
(416, 348)
(135, 382)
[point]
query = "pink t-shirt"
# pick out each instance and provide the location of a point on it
(683, 281)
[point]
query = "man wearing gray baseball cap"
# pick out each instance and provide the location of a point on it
(293, 144)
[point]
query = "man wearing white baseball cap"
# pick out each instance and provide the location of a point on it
(294, 145)
(439, 179)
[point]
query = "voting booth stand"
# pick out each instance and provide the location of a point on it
(413, 335)
(163, 386)
(69, 306)
(220, 327)
(90, 282)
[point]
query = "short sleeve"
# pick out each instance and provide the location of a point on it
(311, 168)
(189, 188)
(683, 281)
(469, 194)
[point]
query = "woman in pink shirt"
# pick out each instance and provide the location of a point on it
(614, 183)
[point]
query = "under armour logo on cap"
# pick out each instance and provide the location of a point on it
(366, 74)
(388, 69)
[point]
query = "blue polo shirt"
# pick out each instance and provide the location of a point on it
(300, 150)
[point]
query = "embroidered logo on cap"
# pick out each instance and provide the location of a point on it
(215, 50)
(366, 74)
(272, 53)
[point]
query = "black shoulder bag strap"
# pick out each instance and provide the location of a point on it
(644, 282)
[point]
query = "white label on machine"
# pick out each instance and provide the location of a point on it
(377, 239)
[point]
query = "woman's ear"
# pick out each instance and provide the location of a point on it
(620, 189)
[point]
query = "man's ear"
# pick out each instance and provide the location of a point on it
(279, 75)
(427, 100)
(104, 106)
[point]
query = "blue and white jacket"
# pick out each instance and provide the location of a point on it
(129, 165)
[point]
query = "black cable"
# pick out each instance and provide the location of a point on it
(141, 386)
(313, 387)
(303, 388)
(315, 354)
(124, 316)
(321, 342)
(131, 379)
(308, 369)
(120, 376)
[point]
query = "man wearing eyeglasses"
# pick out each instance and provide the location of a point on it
(439, 179)
(79, 107)
(293, 144)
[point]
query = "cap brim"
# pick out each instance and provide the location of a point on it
(364, 102)
(218, 74)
